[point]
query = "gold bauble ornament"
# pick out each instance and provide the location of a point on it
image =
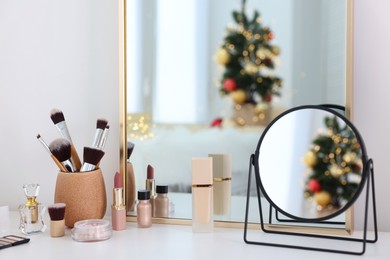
(310, 159)
(322, 198)
(335, 170)
(275, 50)
(251, 68)
(262, 53)
(239, 96)
(262, 107)
(222, 56)
(349, 157)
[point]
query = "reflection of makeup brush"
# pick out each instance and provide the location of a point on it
(103, 140)
(130, 179)
(57, 217)
(59, 120)
(56, 161)
(61, 149)
(92, 157)
(100, 126)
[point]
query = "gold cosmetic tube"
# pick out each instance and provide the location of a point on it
(222, 182)
(202, 195)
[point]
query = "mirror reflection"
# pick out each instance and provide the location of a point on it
(314, 169)
(174, 103)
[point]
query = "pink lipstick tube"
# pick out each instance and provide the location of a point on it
(118, 208)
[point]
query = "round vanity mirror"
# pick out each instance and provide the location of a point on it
(311, 163)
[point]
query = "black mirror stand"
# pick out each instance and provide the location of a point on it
(363, 240)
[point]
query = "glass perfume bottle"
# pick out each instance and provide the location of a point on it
(202, 195)
(31, 213)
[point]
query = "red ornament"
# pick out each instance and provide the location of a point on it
(268, 98)
(230, 85)
(270, 36)
(314, 186)
(217, 122)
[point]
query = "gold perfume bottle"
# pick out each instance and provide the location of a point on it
(31, 213)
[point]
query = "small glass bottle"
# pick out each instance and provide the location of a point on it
(161, 203)
(144, 209)
(31, 213)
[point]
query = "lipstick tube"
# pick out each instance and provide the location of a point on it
(118, 208)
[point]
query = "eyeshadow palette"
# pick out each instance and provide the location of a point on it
(12, 240)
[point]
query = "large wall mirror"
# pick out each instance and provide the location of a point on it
(170, 82)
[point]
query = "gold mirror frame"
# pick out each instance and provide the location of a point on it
(123, 120)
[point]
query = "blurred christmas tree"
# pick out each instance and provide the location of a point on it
(248, 58)
(335, 165)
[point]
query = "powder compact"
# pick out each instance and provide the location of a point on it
(12, 240)
(91, 230)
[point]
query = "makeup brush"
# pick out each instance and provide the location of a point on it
(130, 148)
(59, 121)
(57, 217)
(103, 140)
(56, 161)
(101, 124)
(61, 149)
(92, 157)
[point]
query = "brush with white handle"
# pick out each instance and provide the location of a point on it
(101, 124)
(59, 121)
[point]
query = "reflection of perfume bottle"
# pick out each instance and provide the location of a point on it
(31, 213)
(222, 176)
(202, 195)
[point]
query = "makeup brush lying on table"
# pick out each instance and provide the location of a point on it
(101, 124)
(92, 157)
(61, 149)
(56, 161)
(59, 121)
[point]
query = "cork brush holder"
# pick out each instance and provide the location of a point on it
(84, 194)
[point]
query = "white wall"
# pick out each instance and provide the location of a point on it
(60, 54)
(64, 54)
(372, 93)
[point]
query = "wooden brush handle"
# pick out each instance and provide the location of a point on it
(59, 164)
(75, 158)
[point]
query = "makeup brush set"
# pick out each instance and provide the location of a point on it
(64, 153)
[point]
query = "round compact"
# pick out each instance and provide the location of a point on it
(91, 230)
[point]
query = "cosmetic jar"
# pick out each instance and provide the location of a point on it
(144, 209)
(91, 230)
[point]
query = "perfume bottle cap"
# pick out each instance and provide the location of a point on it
(202, 171)
(31, 191)
(162, 189)
(143, 194)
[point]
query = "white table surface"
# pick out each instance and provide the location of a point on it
(174, 242)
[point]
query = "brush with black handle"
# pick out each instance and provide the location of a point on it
(59, 121)
(92, 157)
(61, 149)
(56, 161)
